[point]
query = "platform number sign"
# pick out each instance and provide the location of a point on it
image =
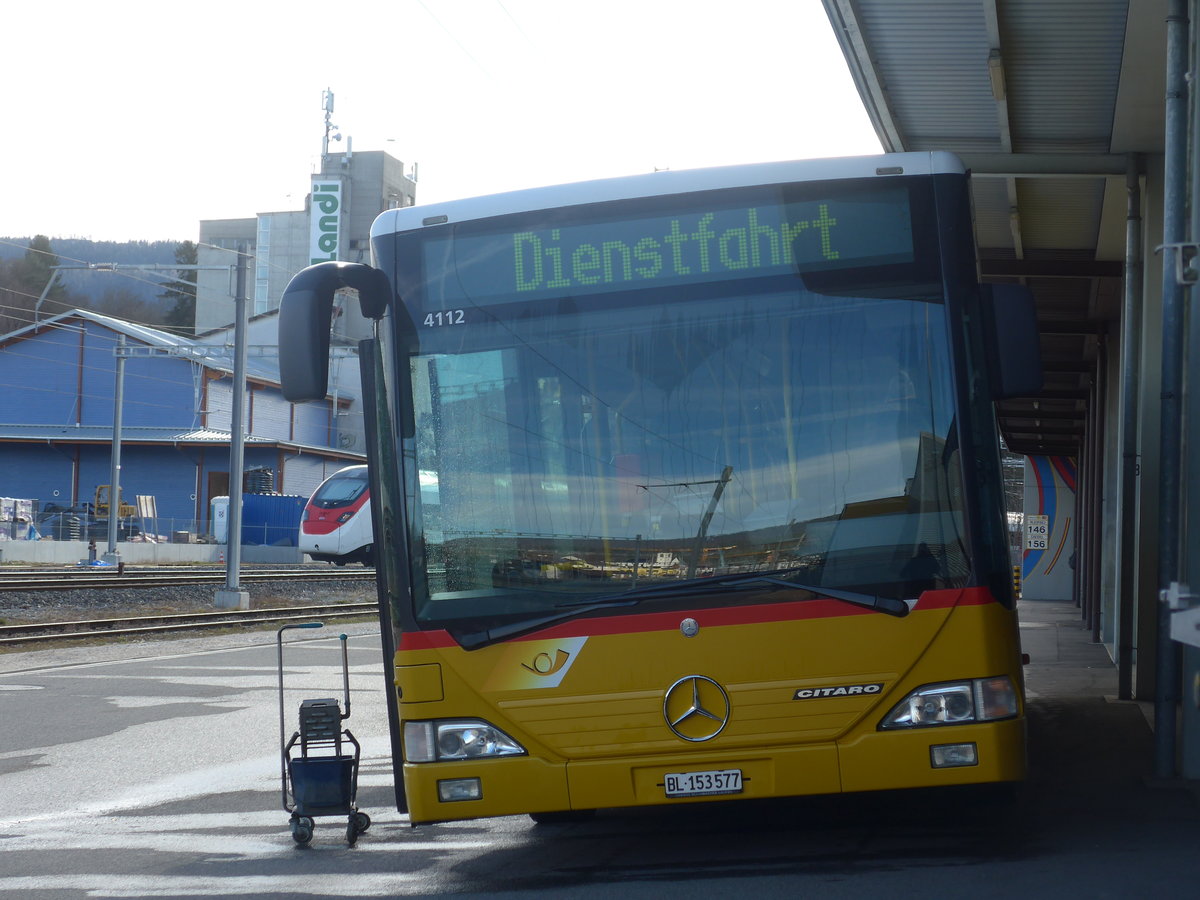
(1037, 532)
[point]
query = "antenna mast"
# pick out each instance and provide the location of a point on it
(327, 105)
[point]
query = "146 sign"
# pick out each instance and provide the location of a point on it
(1037, 532)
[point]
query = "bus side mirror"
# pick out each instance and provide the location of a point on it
(304, 320)
(1014, 346)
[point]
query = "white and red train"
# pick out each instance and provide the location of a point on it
(336, 524)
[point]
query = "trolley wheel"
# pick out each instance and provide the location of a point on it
(302, 830)
(351, 832)
(361, 821)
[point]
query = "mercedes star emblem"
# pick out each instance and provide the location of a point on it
(696, 708)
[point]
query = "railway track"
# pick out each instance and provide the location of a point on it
(140, 626)
(86, 579)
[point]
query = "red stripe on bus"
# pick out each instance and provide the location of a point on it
(729, 615)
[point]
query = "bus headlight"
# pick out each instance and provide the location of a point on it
(955, 703)
(453, 739)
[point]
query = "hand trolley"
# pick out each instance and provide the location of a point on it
(324, 777)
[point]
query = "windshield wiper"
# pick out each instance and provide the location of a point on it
(760, 580)
(473, 640)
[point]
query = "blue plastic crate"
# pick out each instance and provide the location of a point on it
(322, 785)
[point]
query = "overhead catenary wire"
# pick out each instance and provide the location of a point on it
(515, 23)
(170, 273)
(450, 34)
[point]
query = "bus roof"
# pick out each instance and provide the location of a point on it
(664, 183)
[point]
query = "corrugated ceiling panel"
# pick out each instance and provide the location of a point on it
(1062, 62)
(1063, 65)
(1061, 298)
(992, 230)
(935, 49)
(1060, 213)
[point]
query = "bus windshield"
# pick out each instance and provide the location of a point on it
(756, 428)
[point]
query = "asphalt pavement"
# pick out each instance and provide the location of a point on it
(1091, 755)
(150, 771)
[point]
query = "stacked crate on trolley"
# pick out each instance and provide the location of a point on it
(322, 780)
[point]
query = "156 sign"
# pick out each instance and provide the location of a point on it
(1037, 532)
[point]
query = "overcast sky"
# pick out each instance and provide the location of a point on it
(134, 120)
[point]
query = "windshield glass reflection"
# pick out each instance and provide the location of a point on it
(600, 450)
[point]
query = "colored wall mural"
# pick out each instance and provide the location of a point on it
(1047, 563)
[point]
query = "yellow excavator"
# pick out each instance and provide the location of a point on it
(100, 506)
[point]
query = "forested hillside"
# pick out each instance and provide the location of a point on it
(150, 297)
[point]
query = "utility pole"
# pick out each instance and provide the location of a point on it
(232, 596)
(54, 279)
(1167, 668)
(112, 557)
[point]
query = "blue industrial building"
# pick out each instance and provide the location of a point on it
(58, 379)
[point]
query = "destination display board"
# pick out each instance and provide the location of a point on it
(826, 230)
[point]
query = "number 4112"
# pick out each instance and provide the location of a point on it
(449, 317)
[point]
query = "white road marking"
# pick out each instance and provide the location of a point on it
(142, 767)
(102, 885)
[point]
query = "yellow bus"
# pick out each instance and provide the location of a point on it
(686, 486)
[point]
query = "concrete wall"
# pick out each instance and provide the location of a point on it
(287, 254)
(69, 553)
(215, 286)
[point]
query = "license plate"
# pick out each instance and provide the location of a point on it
(699, 784)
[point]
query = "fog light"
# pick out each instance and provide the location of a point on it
(948, 756)
(454, 789)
